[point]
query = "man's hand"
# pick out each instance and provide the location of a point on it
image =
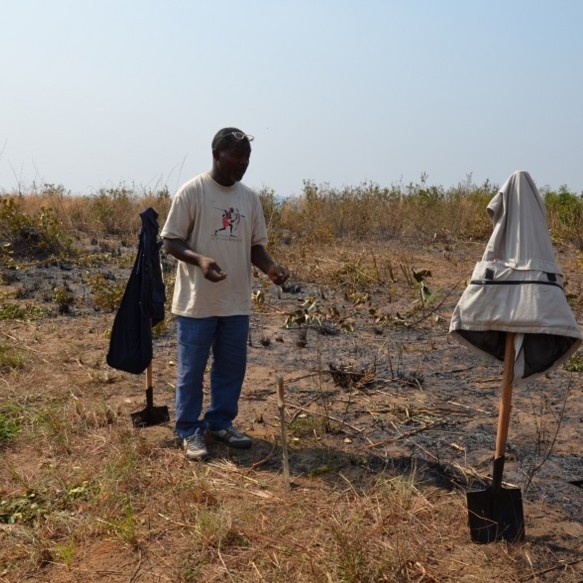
(211, 269)
(261, 259)
(179, 249)
(277, 274)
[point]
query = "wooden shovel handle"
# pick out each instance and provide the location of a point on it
(506, 397)
(149, 376)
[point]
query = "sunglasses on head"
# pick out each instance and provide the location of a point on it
(241, 136)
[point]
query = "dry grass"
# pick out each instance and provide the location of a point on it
(323, 214)
(84, 496)
(100, 485)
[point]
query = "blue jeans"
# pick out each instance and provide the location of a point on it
(227, 336)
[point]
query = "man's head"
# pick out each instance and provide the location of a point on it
(231, 153)
(229, 136)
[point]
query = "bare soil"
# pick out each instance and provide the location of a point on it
(394, 394)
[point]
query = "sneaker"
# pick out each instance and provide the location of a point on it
(232, 437)
(195, 447)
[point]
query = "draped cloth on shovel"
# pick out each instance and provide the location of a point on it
(518, 287)
(142, 305)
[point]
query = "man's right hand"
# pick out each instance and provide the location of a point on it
(211, 269)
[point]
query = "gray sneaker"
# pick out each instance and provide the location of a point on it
(232, 437)
(195, 447)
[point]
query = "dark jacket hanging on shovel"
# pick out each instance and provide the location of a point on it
(142, 305)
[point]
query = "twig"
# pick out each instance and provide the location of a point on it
(283, 426)
(293, 417)
(167, 518)
(307, 376)
(358, 430)
(471, 472)
(8, 335)
(257, 570)
(260, 462)
(467, 407)
(407, 434)
(26, 346)
(454, 370)
(534, 470)
(224, 564)
(550, 569)
(136, 570)
(436, 307)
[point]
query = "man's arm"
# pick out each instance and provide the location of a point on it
(262, 260)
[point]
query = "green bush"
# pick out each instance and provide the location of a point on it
(38, 236)
(114, 210)
(10, 359)
(369, 211)
(9, 426)
(107, 294)
(565, 215)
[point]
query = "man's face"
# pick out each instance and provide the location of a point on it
(231, 163)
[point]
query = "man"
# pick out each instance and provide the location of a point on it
(212, 294)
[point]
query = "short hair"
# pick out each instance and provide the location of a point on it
(225, 138)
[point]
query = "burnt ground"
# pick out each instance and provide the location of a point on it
(395, 391)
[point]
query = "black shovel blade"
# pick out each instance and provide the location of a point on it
(493, 515)
(151, 415)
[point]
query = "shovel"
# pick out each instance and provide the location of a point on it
(150, 415)
(496, 512)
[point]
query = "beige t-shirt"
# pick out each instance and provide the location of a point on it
(221, 222)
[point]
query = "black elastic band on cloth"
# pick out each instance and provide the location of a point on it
(514, 282)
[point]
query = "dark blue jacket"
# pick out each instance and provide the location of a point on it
(142, 304)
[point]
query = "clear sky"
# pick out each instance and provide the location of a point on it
(102, 93)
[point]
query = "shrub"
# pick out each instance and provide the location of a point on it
(107, 294)
(565, 215)
(39, 236)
